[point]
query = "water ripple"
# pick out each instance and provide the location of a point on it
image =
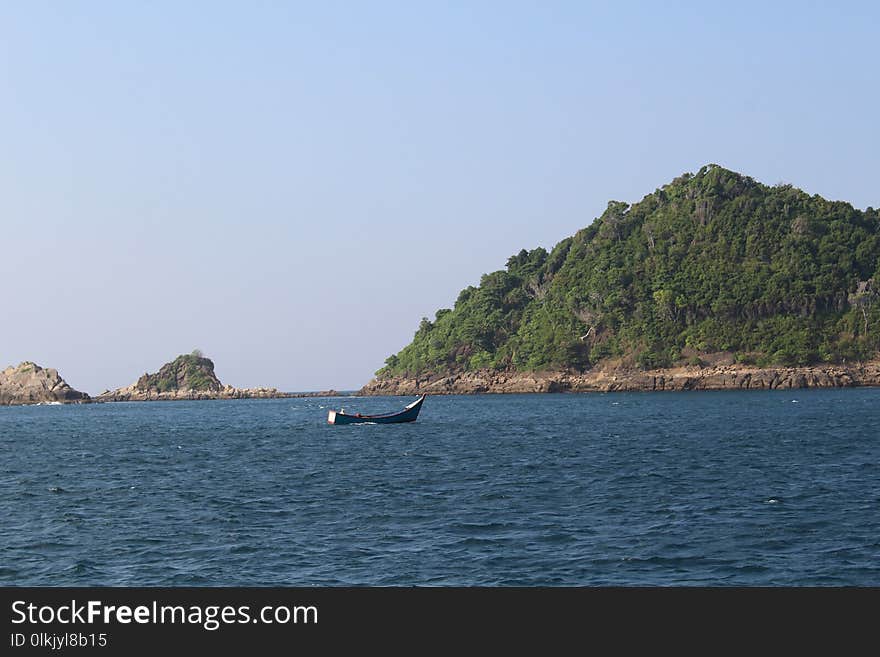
(738, 488)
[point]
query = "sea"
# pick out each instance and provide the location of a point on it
(728, 488)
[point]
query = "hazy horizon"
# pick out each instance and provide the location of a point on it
(291, 188)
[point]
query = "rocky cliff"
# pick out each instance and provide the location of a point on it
(28, 383)
(186, 377)
(723, 377)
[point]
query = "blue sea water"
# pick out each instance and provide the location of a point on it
(699, 488)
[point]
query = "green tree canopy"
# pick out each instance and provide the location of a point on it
(712, 262)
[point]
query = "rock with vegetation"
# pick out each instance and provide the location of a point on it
(28, 383)
(186, 377)
(713, 267)
(190, 373)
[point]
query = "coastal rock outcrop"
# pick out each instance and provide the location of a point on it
(725, 377)
(28, 383)
(186, 377)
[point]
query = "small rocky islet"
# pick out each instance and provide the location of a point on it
(28, 383)
(189, 376)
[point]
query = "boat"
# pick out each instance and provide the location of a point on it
(408, 414)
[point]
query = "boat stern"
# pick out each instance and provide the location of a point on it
(331, 417)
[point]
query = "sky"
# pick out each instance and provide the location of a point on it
(290, 187)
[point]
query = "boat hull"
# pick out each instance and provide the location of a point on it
(409, 414)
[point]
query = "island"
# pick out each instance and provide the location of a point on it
(28, 383)
(191, 376)
(713, 281)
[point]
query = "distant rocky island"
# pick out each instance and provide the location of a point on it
(712, 281)
(187, 377)
(28, 383)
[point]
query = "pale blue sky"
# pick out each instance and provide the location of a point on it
(290, 187)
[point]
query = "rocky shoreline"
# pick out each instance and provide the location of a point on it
(724, 377)
(28, 383)
(228, 392)
(131, 393)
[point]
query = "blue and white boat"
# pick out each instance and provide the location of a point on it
(408, 414)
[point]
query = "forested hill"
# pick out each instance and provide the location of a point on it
(713, 262)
